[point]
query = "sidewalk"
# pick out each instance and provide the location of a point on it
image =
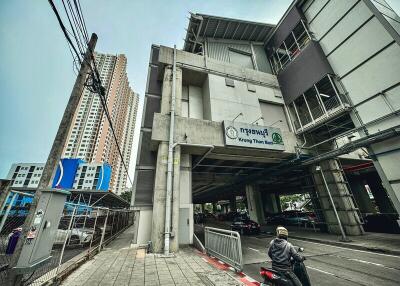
(377, 242)
(122, 264)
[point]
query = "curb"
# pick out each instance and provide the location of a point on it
(350, 246)
(239, 276)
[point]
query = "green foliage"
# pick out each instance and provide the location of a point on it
(126, 196)
(285, 200)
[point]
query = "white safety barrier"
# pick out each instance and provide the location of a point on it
(224, 245)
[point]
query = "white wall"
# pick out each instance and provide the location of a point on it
(227, 102)
(272, 113)
(186, 224)
(366, 57)
(195, 102)
(145, 224)
(219, 50)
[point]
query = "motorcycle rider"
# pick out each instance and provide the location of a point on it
(281, 251)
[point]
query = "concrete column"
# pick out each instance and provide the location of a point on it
(360, 194)
(254, 203)
(278, 203)
(386, 156)
(271, 203)
(160, 185)
(232, 203)
(174, 243)
(160, 191)
(380, 195)
(215, 208)
(341, 197)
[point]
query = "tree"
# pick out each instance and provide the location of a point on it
(126, 196)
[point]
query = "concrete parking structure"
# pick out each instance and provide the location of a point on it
(306, 106)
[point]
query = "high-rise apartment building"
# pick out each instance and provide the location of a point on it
(91, 137)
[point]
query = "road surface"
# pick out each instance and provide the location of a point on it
(327, 265)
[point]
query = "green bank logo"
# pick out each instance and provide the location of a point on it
(277, 138)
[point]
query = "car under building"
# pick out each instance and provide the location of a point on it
(310, 105)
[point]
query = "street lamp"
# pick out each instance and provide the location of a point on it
(240, 114)
(344, 237)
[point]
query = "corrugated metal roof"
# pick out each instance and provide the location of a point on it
(206, 26)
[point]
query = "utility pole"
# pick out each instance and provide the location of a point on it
(55, 153)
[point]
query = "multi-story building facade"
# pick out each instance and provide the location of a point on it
(90, 137)
(25, 175)
(121, 179)
(71, 174)
(326, 101)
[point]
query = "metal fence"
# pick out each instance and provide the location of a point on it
(197, 244)
(224, 245)
(82, 232)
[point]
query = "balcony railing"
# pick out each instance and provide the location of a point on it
(333, 107)
(331, 103)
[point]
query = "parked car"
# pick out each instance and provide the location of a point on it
(245, 225)
(210, 215)
(199, 218)
(292, 218)
(80, 236)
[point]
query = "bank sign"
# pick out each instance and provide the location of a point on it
(253, 136)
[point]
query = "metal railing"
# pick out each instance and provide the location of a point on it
(82, 232)
(332, 103)
(224, 245)
(197, 244)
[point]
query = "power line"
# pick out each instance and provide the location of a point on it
(80, 35)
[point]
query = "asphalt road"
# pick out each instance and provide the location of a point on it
(326, 264)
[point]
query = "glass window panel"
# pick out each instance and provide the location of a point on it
(292, 46)
(241, 59)
(327, 93)
(294, 116)
(302, 110)
(282, 54)
(313, 102)
(301, 35)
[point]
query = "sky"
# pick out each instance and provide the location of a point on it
(36, 73)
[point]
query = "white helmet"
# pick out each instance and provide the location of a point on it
(281, 231)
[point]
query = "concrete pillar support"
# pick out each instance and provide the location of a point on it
(160, 190)
(232, 203)
(341, 196)
(271, 203)
(215, 208)
(360, 194)
(160, 185)
(254, 203)
(381, 197)
(386, 156)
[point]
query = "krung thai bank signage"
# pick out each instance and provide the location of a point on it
(253, 136)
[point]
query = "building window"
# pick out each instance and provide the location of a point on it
(317, 101)
(240, 58)
(291, 47)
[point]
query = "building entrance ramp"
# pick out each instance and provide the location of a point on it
(121, 263)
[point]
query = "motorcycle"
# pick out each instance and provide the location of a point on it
(275, 278)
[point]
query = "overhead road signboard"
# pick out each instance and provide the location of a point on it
(252, 136)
